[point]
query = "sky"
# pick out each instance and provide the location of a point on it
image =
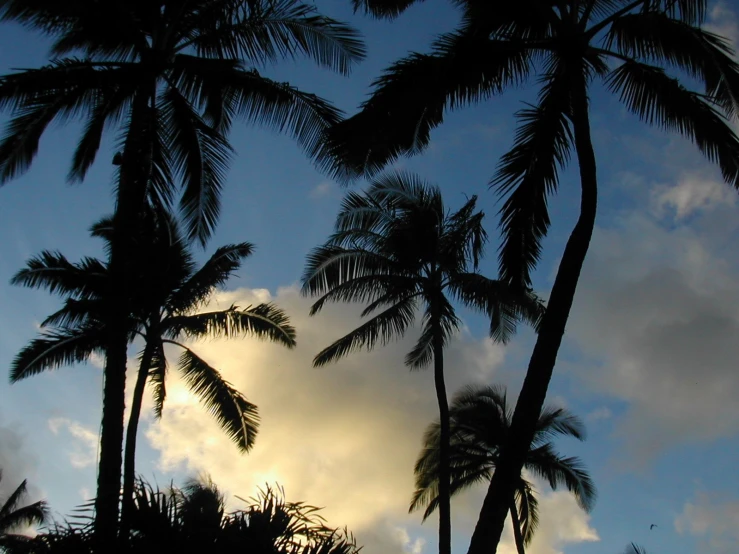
(648, 360)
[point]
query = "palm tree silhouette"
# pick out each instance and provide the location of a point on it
(172, 291)
(628, 45)
(480, 420)
(396, 248)
(170, 75)
(14, 516)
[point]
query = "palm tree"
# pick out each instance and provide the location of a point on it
(480, 420)
(14, 516)
(396, 248)
(564, 46)
(170, 75)
(172, 290)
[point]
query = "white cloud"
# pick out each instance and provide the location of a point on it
(714, 518)
(722, 20)
(85, 441)
(657, 312)
(343, 436)
(693, 192)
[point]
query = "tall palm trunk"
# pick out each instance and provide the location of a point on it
(517, 535)
(129, 457)
(489, 526)
(445, 512)
(130, 198)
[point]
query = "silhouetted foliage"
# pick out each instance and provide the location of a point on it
(480, 420)
(172, 291)
(193, 518)
(170, 77)
(14, 517)
(396, 248)
(632, 48)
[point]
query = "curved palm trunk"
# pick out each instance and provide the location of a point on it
(517, 536)
(445, 513)
(489, 526)
(130, 198)
(129, 457)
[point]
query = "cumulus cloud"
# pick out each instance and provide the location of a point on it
(84, 444)
(657, 314)
(693, 192)
(714, 518)
(343, 436)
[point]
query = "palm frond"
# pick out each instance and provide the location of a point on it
(528, 510)
(12, 516)
(53, 272)
(356, 272)
(212, 274)
(200, 155)
(285, 29)
(264, 321)
(410, 98)
(654, 37)
(660, 99)
(237, 416)
(383, 327)
(76, 314)
(529, 173)
(389, 9)
(555, 422)
(280, 107)
(503, 304)
(56, 348)
(560, 471)
(57, 92)
(423, 352)
(157, 373)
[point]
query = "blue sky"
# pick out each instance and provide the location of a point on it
(649, 360)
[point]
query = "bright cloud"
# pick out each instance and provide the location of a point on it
(85, 441)
(343, 436)
(692, 192)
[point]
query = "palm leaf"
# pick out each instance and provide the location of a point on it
(329, 268)
(410, 98)
(654, 37)
(285, 29)
(383, 327)
(56, 348)
(527, 174)
(53, 272)
(264, 321)
(212, 274)
(237, 417)
(12, 516)
(157, 373)
(503, 304)
(659, 99)
(200, 155)
(568, 472)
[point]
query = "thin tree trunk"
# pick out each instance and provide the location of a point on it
(517, 536)
(129, 457)
(489, 526)
(130, 199)
(445, 513)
